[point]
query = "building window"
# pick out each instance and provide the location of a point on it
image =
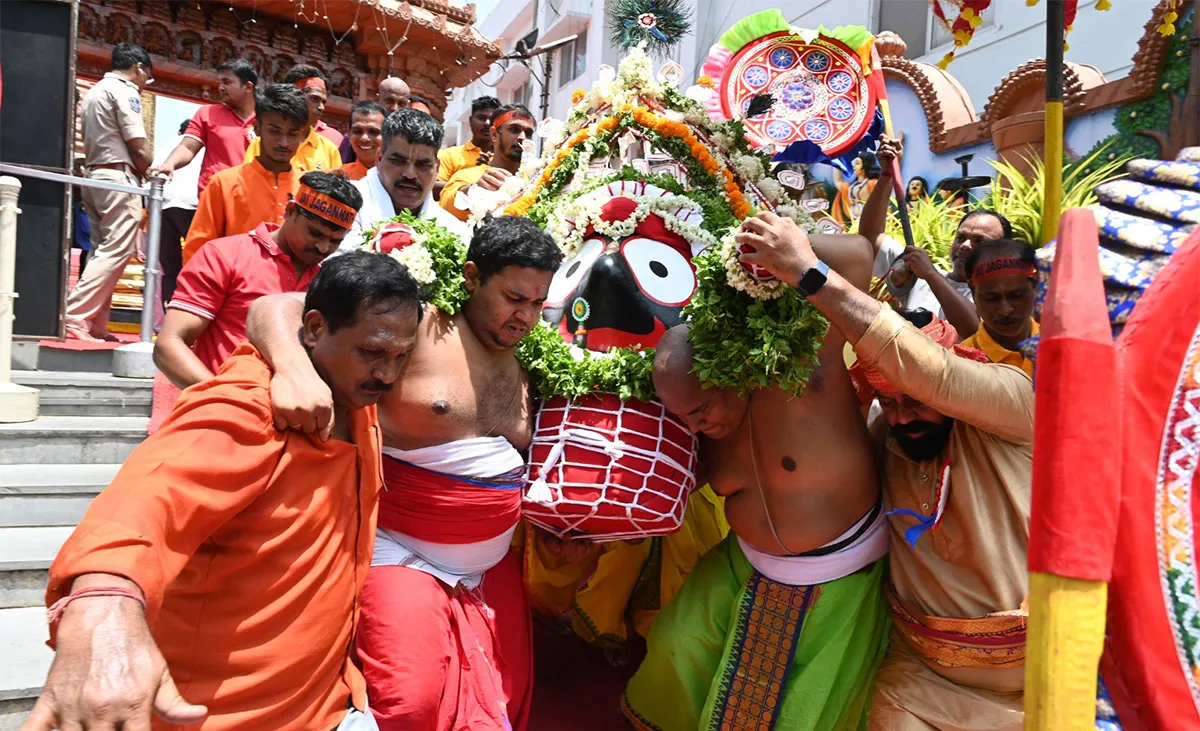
(572, 60)
(525, 93)
(939, 36)
(898, 17)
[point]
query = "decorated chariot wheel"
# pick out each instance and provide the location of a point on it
(819, 86)
(1153, 663)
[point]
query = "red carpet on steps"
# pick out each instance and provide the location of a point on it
(575, 688)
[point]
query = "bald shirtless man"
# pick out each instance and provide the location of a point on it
(393, 94)
(785, 621)
(444, 638)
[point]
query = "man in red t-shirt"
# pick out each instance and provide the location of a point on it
(224, 130)
(206, 319)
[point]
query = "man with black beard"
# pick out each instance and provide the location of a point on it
(403, 176)
(956, 442)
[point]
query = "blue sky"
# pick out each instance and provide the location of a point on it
(482, 8)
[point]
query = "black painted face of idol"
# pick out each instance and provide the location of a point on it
(621, 293)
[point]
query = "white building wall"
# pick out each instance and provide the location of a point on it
(1014, 33)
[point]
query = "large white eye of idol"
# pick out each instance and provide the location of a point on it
(571, 271)
(664, 274)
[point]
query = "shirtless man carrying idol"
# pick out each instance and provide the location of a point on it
(445, 638)
(793, 599)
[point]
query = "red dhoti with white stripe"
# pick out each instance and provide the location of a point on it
(440, 654)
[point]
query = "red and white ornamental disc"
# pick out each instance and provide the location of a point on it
(821, 93)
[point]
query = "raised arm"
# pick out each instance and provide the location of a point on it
(300, 399)
(872, 222)
(997, 399)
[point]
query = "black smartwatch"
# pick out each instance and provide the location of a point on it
(813, 279)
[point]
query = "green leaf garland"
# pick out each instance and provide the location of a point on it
(748, 344)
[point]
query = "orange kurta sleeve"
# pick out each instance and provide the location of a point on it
(215, 455)
(458, 181)
(209, 221)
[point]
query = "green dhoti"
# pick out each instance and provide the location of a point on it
(736, 650)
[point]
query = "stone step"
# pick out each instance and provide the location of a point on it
(75, 356)
(71, 440)
(27, 660)
(50, 494)
(25, 558)
(79, 393)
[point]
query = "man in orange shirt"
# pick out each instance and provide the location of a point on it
(512, 128)
(366, 137)
(319, 150)
(475, 150)
(239, 198)
(223, 563)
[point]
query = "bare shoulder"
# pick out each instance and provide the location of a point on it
(850, 255)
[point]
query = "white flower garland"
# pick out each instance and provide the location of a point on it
(568, 222)
(741, 280)
(418, 261)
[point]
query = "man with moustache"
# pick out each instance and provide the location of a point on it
(206, 319)
(215, 580)
(239, 198)
(1004, 283)
(403, 176)
(512, 127)
(444, 640)
(807, 535)
(366, 137)
(474, 150)
(393, 94)
(919, 284)
(957, 465)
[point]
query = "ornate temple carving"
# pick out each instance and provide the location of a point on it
(188, 39)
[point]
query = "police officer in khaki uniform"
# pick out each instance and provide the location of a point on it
(116, 151)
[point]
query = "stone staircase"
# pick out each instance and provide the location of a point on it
(50, 469)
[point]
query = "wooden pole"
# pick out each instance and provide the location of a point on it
(1052, 196)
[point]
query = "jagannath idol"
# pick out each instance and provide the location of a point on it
(643, 187)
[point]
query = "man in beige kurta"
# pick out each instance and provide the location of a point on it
(957, 652)
(115, 151)
(957, 459)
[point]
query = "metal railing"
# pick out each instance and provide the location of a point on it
(154, 192)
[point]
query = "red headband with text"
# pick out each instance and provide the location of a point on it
(312, 82)
(334, 211)
(508, 116)
(1001, 266)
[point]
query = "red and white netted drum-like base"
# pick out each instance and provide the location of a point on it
(609, 470)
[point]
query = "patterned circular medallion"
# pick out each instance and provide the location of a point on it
(840, 81)
(797, 95)
(783, 58)
(816, 61)
(816, 130)
(756, 76)
(840, 109)
(779, 130)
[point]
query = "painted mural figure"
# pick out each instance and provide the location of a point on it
(852, 194)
